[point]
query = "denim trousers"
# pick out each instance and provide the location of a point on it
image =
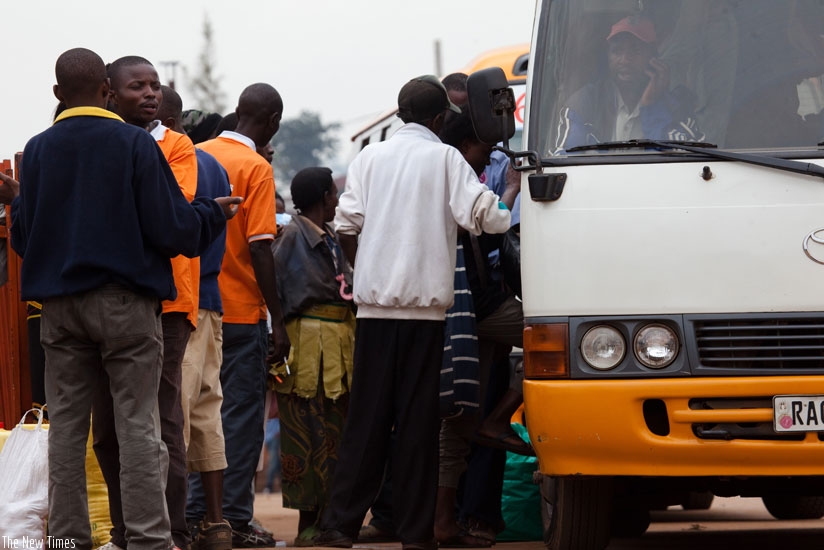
(243, 379)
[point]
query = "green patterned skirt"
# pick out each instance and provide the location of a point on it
(310, 432)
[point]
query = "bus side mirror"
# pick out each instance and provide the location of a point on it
(491, 105)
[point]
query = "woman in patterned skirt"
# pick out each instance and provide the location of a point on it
(313, 383)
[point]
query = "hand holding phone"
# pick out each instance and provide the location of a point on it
(659, 81)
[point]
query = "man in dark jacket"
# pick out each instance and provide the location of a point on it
(98, 217)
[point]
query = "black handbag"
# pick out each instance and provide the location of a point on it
(511, 258)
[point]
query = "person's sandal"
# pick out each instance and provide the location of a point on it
(306, 538)
(332, 538)
(482, 530)
(372, 534)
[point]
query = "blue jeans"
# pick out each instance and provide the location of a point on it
(272, 439)
(243, 378)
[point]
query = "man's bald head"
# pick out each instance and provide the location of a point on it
(170, 112)
(259, 111)
(80, 74)
(259, 101)
(172, 106)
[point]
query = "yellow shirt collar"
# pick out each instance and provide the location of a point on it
(86, 111)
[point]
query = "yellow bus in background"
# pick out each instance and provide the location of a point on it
(514, 60)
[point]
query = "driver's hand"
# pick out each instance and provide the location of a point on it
(659, 81)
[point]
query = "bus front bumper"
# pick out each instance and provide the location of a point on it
(585, 427)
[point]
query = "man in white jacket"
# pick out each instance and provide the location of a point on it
(397, 223)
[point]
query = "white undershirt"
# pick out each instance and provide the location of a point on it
(627, 124)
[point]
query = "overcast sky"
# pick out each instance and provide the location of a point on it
(345, 59)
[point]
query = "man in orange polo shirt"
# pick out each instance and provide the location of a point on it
(247, 289)
(136, 97)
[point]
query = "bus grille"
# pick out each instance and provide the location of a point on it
(782, 343)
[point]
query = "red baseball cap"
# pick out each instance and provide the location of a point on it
(640, 27)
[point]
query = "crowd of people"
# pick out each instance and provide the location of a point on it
(173, 293)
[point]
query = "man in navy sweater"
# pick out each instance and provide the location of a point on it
(98, 216)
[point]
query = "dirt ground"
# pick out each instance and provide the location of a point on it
(283, 523)
(269, 511)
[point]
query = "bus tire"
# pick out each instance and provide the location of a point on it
(630, 519)
(698, 500)
(576, 512)
(794, 507)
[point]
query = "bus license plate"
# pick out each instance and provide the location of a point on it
(798, 413)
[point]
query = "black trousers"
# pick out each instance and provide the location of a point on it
(395, 386)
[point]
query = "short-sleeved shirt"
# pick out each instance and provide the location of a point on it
(180, 154)
(212, 182)
(251, 178)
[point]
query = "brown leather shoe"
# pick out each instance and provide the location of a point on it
(213, 536)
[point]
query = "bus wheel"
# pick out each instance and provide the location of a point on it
(576, 512)
(630, 518)
(794, 507)
(698, 500)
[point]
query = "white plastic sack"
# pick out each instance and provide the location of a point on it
(24, 484)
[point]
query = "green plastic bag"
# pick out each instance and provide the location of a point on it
(521, 498)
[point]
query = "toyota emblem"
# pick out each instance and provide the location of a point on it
(816, 236)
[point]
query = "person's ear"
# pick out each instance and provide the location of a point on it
(112, 96)
(273, 125)
(57, 92)
(106, 89)
(437, 123)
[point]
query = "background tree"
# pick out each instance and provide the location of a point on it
(205, 84)
(302, 142)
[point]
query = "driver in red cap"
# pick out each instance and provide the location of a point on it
(635, 100)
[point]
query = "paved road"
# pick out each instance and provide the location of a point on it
(730, 524)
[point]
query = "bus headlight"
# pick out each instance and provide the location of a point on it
(603, 347)
(656, 346)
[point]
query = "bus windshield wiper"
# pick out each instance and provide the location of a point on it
(632, 143)
(710, 150)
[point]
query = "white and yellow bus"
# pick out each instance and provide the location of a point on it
(672, 271)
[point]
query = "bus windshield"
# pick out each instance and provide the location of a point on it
(746, 75)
